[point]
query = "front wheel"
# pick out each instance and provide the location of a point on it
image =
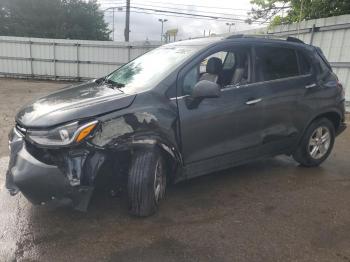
(316, 144)
(146, 182)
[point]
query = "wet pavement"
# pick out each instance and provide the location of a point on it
(270, 210)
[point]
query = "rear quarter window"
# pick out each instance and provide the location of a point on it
(304, 63)
(322, 65)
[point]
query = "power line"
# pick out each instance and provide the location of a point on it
(188, 14)
(173, 15)
(275, 12)
(168, 6)
(171, 10)
(182, 5)
(137, 6)
(198, 6)
(196, 11)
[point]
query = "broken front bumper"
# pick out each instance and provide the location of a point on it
(39, 182)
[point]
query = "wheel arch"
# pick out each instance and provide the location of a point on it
(332, 115)
(301, 152)
(172, 156)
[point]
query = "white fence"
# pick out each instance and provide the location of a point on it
(65, 59)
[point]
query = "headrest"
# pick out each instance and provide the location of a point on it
(214, 65)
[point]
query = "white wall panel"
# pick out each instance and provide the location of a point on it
(42, 51)
(43, 68)
(57, 58)
(66, 52)
(68, 70)
(14, 49)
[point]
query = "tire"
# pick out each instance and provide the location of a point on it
(146, 182)
(315, 146)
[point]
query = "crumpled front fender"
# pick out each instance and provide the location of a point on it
(139, 130)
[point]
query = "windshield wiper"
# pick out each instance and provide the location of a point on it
(112, 83)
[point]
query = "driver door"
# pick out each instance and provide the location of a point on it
(218, 132)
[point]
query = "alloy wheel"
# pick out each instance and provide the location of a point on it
(319, 142)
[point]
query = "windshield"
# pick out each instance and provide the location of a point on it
(149, 69)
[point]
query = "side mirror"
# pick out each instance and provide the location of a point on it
(205, 89)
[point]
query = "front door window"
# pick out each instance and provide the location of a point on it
(226, 68)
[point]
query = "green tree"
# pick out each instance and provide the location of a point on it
(270, 10)
(73, 19)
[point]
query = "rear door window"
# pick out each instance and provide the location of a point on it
(275, 63)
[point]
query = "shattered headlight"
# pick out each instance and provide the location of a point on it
(62, 135)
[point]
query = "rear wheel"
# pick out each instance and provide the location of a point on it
(317, 143)
(146, 182)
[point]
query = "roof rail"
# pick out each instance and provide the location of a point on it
(266, 36)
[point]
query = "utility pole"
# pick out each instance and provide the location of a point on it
(161, 34)
(113, 25)
(127, 21)
(229, 26)
(301, 12)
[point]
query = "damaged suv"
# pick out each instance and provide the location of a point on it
(179, 111)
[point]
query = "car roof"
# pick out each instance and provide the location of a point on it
(202, 41)
(212, 41)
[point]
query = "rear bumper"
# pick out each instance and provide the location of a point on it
(41, 183)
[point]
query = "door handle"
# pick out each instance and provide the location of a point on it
(254, 101)
(310, 86)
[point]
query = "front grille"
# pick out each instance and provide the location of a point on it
(21, 129)
(41, 154)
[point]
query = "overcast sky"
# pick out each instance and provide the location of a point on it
(147, 26)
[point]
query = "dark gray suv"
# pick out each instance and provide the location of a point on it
(180, 111)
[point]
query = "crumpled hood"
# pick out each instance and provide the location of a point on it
(73, 103)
